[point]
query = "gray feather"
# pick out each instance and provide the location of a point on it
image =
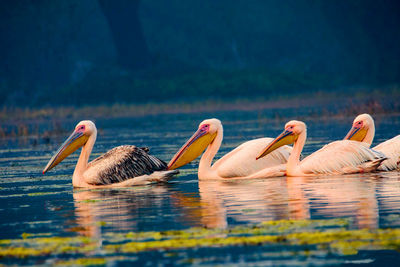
(124, 162)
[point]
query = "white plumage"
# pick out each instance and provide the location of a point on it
(239, 163)
(341, 157)
(338, 157)
(391, 149)
(363, 130)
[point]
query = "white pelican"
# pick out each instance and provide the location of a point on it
(363, 130)
(239, 163)
(121, 166)
(338, 157)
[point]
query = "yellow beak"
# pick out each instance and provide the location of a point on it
(356, 134)
(193, 148)
(285, 138)
(75, 140)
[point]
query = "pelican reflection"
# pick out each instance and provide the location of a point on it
(361, 197)
(118, 210)
(245, 201)
(296, 198)
(337, 196)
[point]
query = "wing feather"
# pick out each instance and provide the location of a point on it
(242, 162)
(337, 156)
(391, 148)
(122, 163)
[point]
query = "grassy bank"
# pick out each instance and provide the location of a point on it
(347, 101)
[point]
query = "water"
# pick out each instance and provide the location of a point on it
(34, 208)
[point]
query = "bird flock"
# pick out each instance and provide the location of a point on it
(128, 165)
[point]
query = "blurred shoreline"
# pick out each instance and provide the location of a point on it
(344, 103)
(41, 123)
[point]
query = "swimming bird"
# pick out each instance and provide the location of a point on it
(339, 157)
(363, 130)
(120, 167)
(239, 163)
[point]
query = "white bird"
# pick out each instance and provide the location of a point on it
(339, 157)
(363, 130)
(119, 167)
(239, 163)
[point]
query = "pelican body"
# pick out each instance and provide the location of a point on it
(239, 163)
(363, 130)
(338, 157)
(121, 166)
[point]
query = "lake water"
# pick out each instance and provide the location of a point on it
(332, 220)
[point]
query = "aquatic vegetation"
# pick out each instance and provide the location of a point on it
(101, 223)
(332, 236)
(40, 246)
(344, 241)
(89, 201)
(42, 193)
(82, 262)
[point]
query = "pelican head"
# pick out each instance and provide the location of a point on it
(77, 139)
(292, 131)
(363, 129)
(199, 141)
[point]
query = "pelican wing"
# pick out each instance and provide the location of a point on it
(241, 161)
(122, 163)
(343, 156)
(391, 149)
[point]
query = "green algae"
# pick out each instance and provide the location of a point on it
(26, 235)
(40, 246)
(88, 201)
(133, 247)
(348, 242)
(42, 194)
(83, 262)
(330, 236)
(5, 241)
(31, 235)
(270, 227)
(248, 210)
(23, 252)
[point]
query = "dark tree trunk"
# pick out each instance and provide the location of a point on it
(123, 18)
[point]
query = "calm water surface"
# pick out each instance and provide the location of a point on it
(34, 206)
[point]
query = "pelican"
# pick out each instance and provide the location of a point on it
(338, 157)
(239, 163)
(363, 130)
(119, 167)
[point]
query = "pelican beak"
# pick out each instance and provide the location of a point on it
(192, 148)
(285, 138)
(356, 133)
(74, 141)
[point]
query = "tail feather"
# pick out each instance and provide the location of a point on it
(368, 166)
(372, 165)
(162, 176)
